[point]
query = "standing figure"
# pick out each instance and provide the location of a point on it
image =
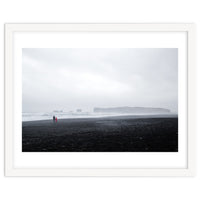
(54, 118)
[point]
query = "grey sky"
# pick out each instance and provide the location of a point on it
(85, 78)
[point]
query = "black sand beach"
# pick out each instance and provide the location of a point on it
(108, 134)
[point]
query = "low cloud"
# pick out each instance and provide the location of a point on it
(85, 78)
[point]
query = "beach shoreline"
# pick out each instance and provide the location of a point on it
(112, 116)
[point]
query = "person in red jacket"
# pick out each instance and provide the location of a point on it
(56, 119)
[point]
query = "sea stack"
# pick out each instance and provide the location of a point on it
(132, 110)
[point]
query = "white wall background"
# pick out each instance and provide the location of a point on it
(103, 11)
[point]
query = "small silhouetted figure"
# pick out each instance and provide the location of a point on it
(54, 118)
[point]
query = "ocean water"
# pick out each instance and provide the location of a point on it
(35, 116)
(61, 115)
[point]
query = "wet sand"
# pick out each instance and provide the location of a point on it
(108, 134)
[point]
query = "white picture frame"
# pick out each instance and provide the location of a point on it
(11, 170)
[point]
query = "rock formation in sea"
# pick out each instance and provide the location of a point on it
(132, 110)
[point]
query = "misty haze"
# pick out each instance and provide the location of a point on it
(100, 100)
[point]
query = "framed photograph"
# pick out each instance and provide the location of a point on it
(99, 100)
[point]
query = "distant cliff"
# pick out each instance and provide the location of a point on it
(132, 110)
